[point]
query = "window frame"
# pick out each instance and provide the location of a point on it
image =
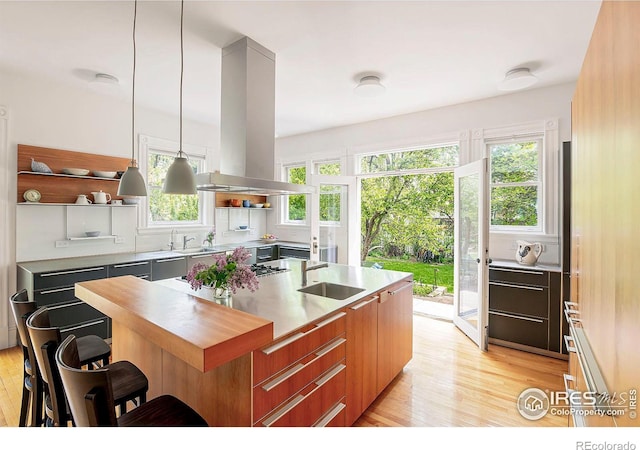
(284, 220)
(540, 183)
(149, 144)
(316, 171)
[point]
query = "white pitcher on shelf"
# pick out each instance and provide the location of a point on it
(101, 197)
(82, 200)
(528, 252)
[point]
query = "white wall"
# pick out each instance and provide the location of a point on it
(51, 114)
(453, 122)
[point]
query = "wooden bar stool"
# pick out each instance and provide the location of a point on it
(32, 388)
(130, 384)
(91, 399)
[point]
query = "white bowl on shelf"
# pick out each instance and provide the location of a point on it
(75, 171)
(257, 205)
(104, 174)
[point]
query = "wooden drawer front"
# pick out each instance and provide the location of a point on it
(72, 313)
(312, 403)
(272, 359)
(527, 300)
(529, 277)
(67, 277)
(99, 327)
(518, 329)
(54, 296)
(336, 417)
(277, 389)
(132, 268)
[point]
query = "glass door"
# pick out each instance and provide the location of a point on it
(335, 220)
(471, 268)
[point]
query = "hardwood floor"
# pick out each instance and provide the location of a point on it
(449, 382)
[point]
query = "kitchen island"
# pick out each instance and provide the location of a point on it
(277, 356)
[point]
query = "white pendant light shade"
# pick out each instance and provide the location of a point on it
(180, 178)
(515, 79)
(369, 86)
(132, 183)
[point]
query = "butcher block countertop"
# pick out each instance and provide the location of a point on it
(202, 333)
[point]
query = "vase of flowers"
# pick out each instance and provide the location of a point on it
(208, 240)
(228, 273)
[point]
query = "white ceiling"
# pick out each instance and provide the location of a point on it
(428, 54)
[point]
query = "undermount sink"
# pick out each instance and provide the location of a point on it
(331, 290)
(189, 251)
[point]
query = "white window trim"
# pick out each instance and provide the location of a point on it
(358, 159)
(150, 143)
(284, 216)
(548, 128)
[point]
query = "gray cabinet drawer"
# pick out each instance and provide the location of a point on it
(527, 300)
(99, 327)
(136, 268)
(68, 277)
(530, 277)
(265, 253)
(519, 329)
(54, 295)
(168, 268)
(207, 258)
(69, 314)
(293, 252)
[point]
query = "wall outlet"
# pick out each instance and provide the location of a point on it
(62, 244)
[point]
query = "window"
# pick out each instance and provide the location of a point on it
(516, 185)
(435, 157)
(165, 209)
(296, 205)
(330, 195)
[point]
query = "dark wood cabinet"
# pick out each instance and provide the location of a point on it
(525, 308)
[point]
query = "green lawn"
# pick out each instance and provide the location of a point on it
(422, 272)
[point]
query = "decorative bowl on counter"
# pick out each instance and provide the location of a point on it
(104, 174)
(92, 233)
(75, 171)
(269, 241)
(269, 238)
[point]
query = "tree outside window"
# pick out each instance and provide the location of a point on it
(165, 209)
(516, 184)
(330, 195)
(296, 204)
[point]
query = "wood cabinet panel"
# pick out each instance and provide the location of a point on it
(362, 357)
(395, 331)
(270, 360)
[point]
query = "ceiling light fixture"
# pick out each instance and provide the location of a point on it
(369, 86)
(105, 78)
(180, 178)
(132, 183)
(519, 78)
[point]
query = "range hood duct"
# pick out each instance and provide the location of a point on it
(247, 125)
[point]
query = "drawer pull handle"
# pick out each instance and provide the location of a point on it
(142, 263)
(66, 305)
(292, 404)
(363, 304)
(200, 256)
(335, 344)
(84, 325)
(331, 415)
(169, 260)
(570, 348)
(264, 257)
(408, 285)
(332, 373)
(517, 286)
(66, 272)
(285, 376)
(265, 248)
(295, 337)
(54, 291)
(502, 269)
(143, 276)
(530, 319)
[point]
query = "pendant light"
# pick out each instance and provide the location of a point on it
(132, 183)
(180, 178)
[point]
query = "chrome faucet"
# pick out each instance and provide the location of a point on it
(185, 240)
(172, 242)
(305, 269)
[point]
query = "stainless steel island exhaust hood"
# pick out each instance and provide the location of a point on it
(247, 125)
